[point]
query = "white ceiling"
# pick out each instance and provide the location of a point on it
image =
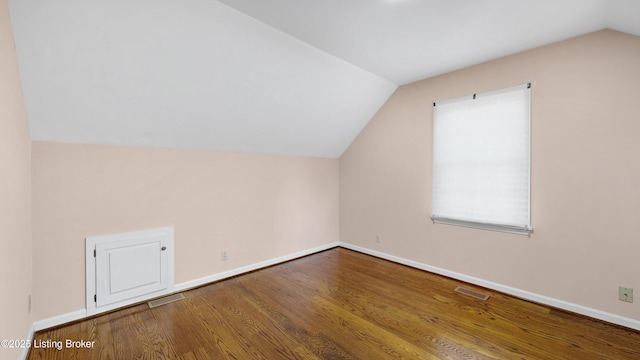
(269, 76)
(409, 40)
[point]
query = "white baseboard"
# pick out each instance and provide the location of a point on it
(25, 351)
(59, 320)
(81, 314)
(522, 294)
(245, 269)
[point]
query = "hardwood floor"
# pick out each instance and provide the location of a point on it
(341, 304)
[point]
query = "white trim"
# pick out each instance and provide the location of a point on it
(82, 314)
(59, 320)
(25, 351)
(522, 294)
(245, 269)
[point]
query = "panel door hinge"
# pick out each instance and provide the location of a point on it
(94, 252)
(95, 298)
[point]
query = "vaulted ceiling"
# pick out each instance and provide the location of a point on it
(269, 76)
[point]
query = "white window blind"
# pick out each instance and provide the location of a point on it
(481, 160)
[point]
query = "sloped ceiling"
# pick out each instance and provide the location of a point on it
(268, 76)
(409, 40)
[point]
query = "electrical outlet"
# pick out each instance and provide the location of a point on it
(225, 255)
(625, 294)
(378, 238)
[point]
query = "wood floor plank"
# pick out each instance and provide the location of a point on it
(390, 300)
(341, 304)
(301, 316)
(187, 330)
(406, 324)
(391, 307)
(137, 335)
(280, 338)
(341, 321)
(212, 329)
(261, 338)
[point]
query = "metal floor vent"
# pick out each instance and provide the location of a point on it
(475, 294)
(165, 300)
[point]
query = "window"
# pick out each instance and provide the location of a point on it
(481, 160)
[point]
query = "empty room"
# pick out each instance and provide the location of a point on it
(355, 179)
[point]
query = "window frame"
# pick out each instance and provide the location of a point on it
(446, 218)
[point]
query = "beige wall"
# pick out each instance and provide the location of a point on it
(585, 176)
(15, 196)
(258, 207)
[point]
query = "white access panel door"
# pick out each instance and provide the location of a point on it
(128, 268)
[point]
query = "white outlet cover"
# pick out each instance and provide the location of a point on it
(625, 294)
